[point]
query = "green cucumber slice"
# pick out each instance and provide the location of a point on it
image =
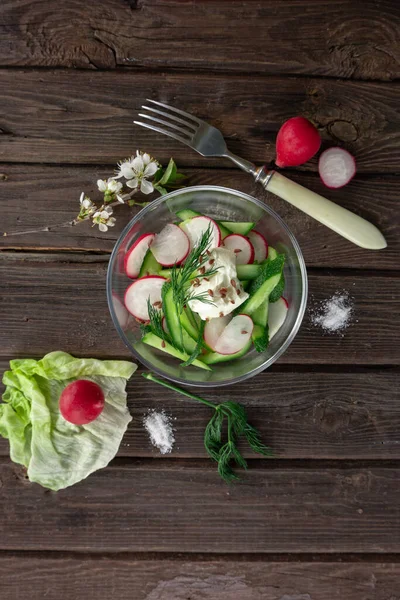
(214, 357)
(272, 253)
(188, 324)
(149, 266)
(260, 338)
(277, 292)
(224, 231)
(234, 227)
(260, 315)
(261, 287)
(187, 213)
(179, 336)
(156, 342)
(245, 272)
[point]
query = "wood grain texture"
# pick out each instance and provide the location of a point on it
(69, 577)
(301, 415)
(301, 36)
(183, 507)
(62, 305)
(34, 196)
(86, 117)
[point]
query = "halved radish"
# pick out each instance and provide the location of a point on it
(277, 312)
(140, 291)
(136, 253)
(241, 246)
(235, 336)
(170, 246)
(197, 226)
(260, 245)
(120, 311)
(336, 167)
(213, 330)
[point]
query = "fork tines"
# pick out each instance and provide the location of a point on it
(182, 129)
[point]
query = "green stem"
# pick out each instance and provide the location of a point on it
(170, 386)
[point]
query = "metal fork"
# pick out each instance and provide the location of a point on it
(209, 141)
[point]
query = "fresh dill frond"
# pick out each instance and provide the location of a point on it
(155, 319)
(198, 348)
(213, 435)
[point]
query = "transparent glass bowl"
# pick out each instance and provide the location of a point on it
(226, 205)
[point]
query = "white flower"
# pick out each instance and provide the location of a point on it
(137, 170)
(111, 185)
(85, 202)
(81, 198)
(103, 218)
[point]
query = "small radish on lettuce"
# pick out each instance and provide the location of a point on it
(297, 141)
(336, 167)
(81, 402)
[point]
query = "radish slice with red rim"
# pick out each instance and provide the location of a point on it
(213, 330)
(277, 312)
(260, 245)
(197, 226)
(140, 291)
(336, 167)
(170, 246)
(134, 257)
(235, 336)
(241, 246)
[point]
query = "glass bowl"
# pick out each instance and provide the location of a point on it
(226, 205)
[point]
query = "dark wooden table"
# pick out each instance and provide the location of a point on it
(321, 520)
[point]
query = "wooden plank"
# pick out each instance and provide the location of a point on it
(35, 196)
(86, 117)
(72, 576)
(301, 415)
(169, 506)
(301, 36)
(42, 299)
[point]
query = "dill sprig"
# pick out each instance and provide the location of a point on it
(224, 451)
(182, 277)
(198, 348)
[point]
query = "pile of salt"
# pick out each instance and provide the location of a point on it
(334, 314)
(159, 428)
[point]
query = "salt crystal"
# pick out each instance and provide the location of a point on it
(333, 315)
(159, 428)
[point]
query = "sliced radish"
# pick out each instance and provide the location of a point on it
(235, 336)
(336, 167)
(260, 245)
(170, 246)
(277, 312)
(120, 311)
(197, 226)
(140, 291)
(134, 257)
(241, 246)
(213, 330)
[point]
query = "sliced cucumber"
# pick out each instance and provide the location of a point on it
(272, 253)
(234, 227)
(165, 273)
(260, 338)
(224, 231)
(188, 324)
(261, 287)
(277, 292)
(156, 342)
(245, 284)
(214, 357)
(244, 272)
(260, 315)
(187, 213)
(179, 336)
(149, 265)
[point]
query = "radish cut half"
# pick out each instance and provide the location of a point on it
(213, 330)
(170, 246)
(140, 291)
(336, 167)
(260, 245)
(241, 246)
(235, 336)
(277, 312)
(134, 257)
(197, 226)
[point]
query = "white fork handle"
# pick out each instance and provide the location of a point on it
(344, 222)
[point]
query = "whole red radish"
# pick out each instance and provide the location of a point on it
(297, 141)
(81, 402)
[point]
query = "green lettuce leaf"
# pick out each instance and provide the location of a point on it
(56, 453)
